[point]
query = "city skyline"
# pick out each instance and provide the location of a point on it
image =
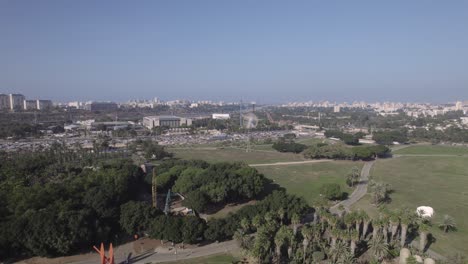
(269, 52)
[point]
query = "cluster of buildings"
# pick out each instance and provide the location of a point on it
(171, 121)
(18, 102)
(96, 106)
(390, 108)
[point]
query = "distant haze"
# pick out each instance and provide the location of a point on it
(266, 51)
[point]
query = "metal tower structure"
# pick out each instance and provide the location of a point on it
(154, 191)
(167, 207)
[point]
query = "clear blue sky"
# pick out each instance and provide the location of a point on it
(268, 51)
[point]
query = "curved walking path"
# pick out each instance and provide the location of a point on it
(359, 192)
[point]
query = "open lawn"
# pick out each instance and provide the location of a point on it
(215, 259)
(433, 150)
(306, 179)
(310, 141)
(439, 182)
(234, 154)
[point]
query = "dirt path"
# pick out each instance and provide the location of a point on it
(359, 192)
(289, 163)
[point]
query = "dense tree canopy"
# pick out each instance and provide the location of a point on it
(210, 183)
(340, 151)
(46, 214)
(388, 137)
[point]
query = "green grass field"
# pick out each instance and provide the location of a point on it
(432, 150)
(310, 141)
(439, 182)
(234, 154)
(215, 259)
(306, 179)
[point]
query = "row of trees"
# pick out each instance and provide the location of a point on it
(141, 218)
(451, 134)
(388, 137)
(349, 139)
(337, 239)
(287, 144)
(340, 151)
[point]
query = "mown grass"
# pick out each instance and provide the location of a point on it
(231, 154)
(439, 182)
(305, 180)
(215, 259)
(433, 150)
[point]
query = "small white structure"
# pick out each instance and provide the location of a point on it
(221, 116)
(425, 211)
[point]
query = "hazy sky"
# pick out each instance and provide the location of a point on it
(268, 51)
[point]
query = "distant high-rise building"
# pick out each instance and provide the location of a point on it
(4, 101)
(43, 104)
(336, 109)
(16, 101)
(458, 106)
(30, 105)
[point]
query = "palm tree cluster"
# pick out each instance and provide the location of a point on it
(336, 239)
(353, 176)
(379, 191)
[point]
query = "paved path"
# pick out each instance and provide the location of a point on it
(289, 163)
(359, 192)
(210, 249)
(430, 155)
(157, 255)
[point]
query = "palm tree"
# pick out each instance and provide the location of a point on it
(307, 234)
(376, 223)
(394, 223)
(335, 233)
(354, 175)
(281, 214)
(245, 225)
(340, 250)
(295, 220)
(242, 239)
(349, 220)
(406, 221)
(378, 247)
(354, 236)
(281, 239)
(257, 221)
(366, 222)
(358, 218)
(348, 258)
(447, 224)
(423, 233)
(261, 246)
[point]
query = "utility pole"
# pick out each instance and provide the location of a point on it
(240, 114)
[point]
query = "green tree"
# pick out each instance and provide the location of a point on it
(447, 224)
(331, 191)
(196, 200)
(378, 247)
(192, 229)
(136, 217)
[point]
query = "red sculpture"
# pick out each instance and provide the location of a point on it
(102, 253)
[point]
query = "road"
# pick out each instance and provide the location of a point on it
(358, 193)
